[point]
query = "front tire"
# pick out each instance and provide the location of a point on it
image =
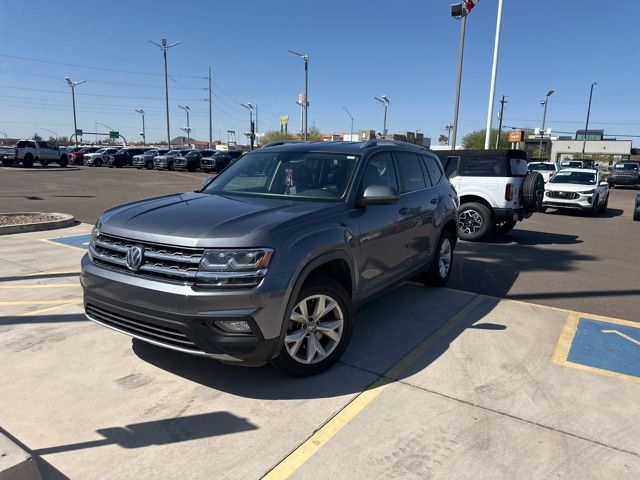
(474, 221)
(318, 330)
(98, 162)
(605, 205)
(595, 209)
(149, 165)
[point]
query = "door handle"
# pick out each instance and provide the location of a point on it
(403, 211)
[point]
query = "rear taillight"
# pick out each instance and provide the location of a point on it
(508, 192)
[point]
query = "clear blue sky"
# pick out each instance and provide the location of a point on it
(406, 50)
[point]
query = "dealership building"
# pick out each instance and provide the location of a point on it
(562, 148)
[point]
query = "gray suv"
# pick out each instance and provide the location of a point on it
(267, 261)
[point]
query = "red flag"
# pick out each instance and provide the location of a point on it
(469, 4)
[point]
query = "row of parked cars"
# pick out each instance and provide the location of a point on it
(160, 158)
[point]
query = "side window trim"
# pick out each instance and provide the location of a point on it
(425, 172)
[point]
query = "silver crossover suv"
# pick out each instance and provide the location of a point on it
(267, 261)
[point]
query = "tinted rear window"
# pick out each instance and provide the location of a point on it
(433, 167)
(482, 167)
(410, 172)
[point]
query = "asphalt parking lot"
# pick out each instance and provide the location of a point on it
(528, 366)
(565, 260)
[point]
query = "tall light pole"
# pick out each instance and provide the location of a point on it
(50, 131)
(351, 117)
(210, 113)
(164, 46)
(144, 133)
(494, 73)
(544, 103)
(188, 129)
(586, 127)
(384, 100)
(305, 105)
(252, 134)
(73, 85)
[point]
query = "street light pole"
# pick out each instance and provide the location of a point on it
(351, 117)
(305, 106)
(456, 109)
(545, 102)
(249, 107)
(586, 127)
(494, 73)
(210, 113)
(144, 133)
(73, 85)
(188, 130)
(164, 46)
(384, 100)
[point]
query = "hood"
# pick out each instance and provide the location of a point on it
(205, 220)
(568, 187)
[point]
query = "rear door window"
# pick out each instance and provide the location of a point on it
(410, 172)
(433, 167)
(482, 167)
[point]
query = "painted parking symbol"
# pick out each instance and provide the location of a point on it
(75, 241)
(606, 346)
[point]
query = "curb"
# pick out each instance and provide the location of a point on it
(16, 463)
(67, 221)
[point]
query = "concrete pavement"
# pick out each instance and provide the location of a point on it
(436, 383)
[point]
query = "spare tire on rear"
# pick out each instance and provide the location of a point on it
(533, 191)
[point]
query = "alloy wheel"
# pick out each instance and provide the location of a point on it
(444, 260)
(315, 329)
(470, 222)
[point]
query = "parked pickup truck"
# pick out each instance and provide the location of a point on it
(29, 151)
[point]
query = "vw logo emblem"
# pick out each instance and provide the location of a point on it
(134, 258)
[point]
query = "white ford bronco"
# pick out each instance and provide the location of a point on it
(495, 190)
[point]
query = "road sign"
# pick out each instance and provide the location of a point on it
(516, 136)
(114, 134)
(78, 132)
(284, 119)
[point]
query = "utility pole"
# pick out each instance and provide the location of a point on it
(584, 140)
(494, 73)
(210, 114)
(256, 124)
(164, 46)
(502, 102)
(351, 117)
(73, 86)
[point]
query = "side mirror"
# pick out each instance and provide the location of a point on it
(378, 195)
(604, 184)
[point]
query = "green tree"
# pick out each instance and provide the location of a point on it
(36, 137)
(443, 139)
(314, 135)
(475, 140)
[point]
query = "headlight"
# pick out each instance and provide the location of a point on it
(94, 236)
(234, 268)
(588, 192)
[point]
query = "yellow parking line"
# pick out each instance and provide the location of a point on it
(307, 449)
(34, 302)
(46, 240)
(54, 272)
(59, 285)
(47, 309)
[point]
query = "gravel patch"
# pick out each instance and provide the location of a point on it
(25, 219)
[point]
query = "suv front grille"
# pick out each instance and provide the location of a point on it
(140, 328)
(564, 195)
(158, 261)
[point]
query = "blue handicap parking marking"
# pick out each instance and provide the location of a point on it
(608, 346)
(78, 241)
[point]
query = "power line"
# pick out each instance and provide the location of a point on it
(94, 94)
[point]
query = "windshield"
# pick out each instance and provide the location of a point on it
(579, 178)
(306, 175)
(626, 166)
(101, 150)
(151, 152)
(121, 151)
(541, 166)
(572, 164)
(173, 152)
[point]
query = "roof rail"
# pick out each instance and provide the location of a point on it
(280, 142)
(383, 141)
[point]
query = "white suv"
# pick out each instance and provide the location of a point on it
(495, 189)
(578, 189)
(546, 169)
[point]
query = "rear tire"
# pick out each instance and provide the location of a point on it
(533, 191)
(302, 334)
(63, 162)
(504, 227)
(149, 165)
(442, 264)
(474, 221)
(98, 162)
(28, 161)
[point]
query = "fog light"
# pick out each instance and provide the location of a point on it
(233, 326)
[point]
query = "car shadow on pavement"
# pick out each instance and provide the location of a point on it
(34, 319)
(382, 337)
(610, 213)
(531, 237)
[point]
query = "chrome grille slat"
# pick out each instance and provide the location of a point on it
(179, 336)
(565, 195)
(172, 263)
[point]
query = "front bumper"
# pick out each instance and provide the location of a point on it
(628, 181)
(139, 162)
(160, 164)
(181, 317)
(583, 202)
